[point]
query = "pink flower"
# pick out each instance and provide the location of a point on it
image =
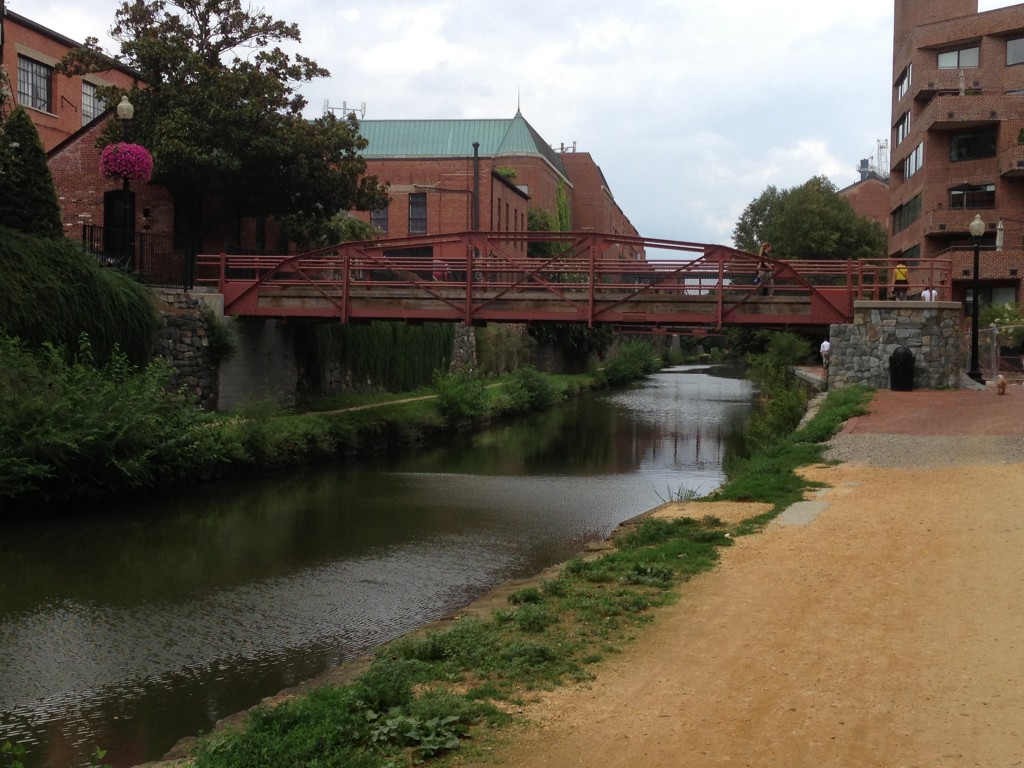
(126, 161)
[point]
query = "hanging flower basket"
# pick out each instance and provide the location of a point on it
(126, 161)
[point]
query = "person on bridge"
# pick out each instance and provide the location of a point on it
(765, 278)
(929, 294)
(900, 281)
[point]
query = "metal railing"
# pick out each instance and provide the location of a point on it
(151, 259)
(486, 276)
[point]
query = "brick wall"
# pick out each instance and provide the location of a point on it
(870, 198)
(24, 37)
(75, 167)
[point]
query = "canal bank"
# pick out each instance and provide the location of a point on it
(882, 631)
(215, 600)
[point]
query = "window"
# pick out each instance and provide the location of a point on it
(906, 214)
(902, 128)
(379, 220)
(1015, 51)
(35, 84)
(92, 105)
(903, 85)
(973, 196)
(914, 161)
(913, 253)
(973, 146)
(418, 214)
(965, 58)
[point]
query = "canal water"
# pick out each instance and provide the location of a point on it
(134, 627)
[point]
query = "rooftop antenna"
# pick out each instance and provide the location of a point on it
(345, 109)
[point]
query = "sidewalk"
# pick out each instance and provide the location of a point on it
(935, 412)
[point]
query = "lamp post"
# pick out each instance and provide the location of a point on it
(977, 228)
(125, 113)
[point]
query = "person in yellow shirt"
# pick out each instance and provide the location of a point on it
(900, 281)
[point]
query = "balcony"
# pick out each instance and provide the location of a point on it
(953, 222)
(931, 81)
(1011, 161)
(949, 111)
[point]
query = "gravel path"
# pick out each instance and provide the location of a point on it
(888, 630)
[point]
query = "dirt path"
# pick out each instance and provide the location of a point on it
(887, 630)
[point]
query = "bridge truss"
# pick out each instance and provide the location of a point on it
(584, 277)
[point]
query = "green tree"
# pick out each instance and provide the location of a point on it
(28, 201)
(810, 221)
(221, 113)
(541, 220)
(312, 232)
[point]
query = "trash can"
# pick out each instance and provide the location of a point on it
(901, 370)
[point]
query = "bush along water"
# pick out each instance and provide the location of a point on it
(74, 428)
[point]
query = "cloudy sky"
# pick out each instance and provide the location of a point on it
(691, 108)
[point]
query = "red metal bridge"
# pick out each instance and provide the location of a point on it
(585, 277)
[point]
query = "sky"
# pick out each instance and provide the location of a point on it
(691, 108)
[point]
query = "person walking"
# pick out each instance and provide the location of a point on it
(900, 281)
(826, 353)
(765, 277)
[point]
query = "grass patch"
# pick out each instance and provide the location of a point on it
(769, 475)
(425, 693)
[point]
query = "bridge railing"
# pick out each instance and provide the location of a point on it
(579, 277)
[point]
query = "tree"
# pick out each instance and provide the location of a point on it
(810, 221)
(222, 116)
(28, 201)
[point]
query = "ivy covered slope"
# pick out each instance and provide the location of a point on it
(54, 292)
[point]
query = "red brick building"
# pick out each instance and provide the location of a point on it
(460, 175)
(59, 105)
(870, 196)
(958, 140)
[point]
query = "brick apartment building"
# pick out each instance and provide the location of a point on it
(958, 141)
(461, 175)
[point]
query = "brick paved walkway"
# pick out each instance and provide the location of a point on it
(943, 412)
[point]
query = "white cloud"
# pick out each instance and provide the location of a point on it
(690, 108)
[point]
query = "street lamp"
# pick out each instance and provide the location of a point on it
(125, 113)
(977, 228)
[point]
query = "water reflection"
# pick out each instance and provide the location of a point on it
(135, 626)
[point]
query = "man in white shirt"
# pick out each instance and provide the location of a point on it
(826, 352)
(929, 294)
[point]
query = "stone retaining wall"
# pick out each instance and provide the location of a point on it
(183, 339)
(931, 330)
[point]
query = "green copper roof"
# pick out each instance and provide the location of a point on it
(454, 138)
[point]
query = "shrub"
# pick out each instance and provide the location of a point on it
(634, 360)
(461, 397)
(528, 390)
